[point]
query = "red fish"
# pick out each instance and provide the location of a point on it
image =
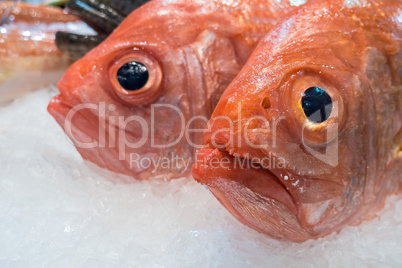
(29, 58)
(307, 138)
(127, 103)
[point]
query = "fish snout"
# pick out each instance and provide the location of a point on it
(244, 124)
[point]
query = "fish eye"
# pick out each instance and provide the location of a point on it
(133, 75)
(136, 77)
(316, 104)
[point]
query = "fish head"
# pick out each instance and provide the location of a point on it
(126, 104)
(297, 145)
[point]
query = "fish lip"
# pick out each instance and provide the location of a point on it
(269, 174)
(59, 108)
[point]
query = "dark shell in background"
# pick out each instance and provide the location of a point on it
(102, 15)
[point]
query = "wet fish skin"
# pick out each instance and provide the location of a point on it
(29, 58)
(23, 12)
(352, 50)
(195, 48)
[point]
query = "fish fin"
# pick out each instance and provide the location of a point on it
(75, 45)
(101, 17)
(125, 7)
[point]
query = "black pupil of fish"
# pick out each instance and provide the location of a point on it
(133, 76)
(317, 104)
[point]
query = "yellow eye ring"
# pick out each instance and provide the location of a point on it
(321, 131)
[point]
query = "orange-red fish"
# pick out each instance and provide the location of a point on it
(130, 104)
(29, 58)
(308, 139)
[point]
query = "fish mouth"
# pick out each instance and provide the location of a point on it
(254, 194)
(83, 131)
(60, 110)
(269, 198)
(100, 140)
(217, 164)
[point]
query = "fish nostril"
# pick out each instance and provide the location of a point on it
(266, 103)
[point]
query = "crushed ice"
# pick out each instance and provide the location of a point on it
(56, 211)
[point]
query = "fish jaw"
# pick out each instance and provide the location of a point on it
(253, 194)
(213, 164)
(103, 142)
(82, 130)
